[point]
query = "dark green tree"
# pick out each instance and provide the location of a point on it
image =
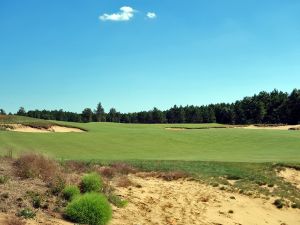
(87, 115)
(21, 112)
(100, 113)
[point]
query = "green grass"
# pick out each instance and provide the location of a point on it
(112, 141)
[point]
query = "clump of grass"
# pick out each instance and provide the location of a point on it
(279, 203)
(117, 201)
(3, 179)
(90, 208)
(27, 214)
(70, 192)
(33, 165)
(91, 183)
(295, 205)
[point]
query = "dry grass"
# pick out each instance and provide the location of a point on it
(13, 220)
(124, 182)
(107, 172)
(169, 176)
(80, 167)
(123, 168)
(33, 165)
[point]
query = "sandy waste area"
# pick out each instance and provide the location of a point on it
(183, 202)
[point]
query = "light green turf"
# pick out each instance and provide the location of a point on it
(112, 141)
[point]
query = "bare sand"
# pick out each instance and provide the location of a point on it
(283, 127)
(291, 175)
(28, 129)
(183, 202)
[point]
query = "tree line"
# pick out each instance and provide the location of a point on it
(275, 107)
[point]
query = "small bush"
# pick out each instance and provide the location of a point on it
(108, 172)
(70, 192)
(90, 208)
(124, 182)
(27, 214)
(91, 183)
(35, 165)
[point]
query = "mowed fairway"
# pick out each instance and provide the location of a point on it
(113, 141)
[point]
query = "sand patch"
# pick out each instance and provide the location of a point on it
(291, 175)
(41, 218)
(280, 127)
(183, 202)
(175, 129)
(28, 129)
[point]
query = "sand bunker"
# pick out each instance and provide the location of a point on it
(291, 175)
(59, 129)
(283, 127)
(160, 202)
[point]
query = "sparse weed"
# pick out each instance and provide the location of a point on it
(33, 165)
(117, 201)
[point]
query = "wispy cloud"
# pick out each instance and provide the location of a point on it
(151, 15)
(126, 13)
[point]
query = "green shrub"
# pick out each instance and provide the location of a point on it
(91, 183)
(90, 208)
(70, 192)
(27, 214)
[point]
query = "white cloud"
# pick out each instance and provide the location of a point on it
(151, 15)
(126, 13)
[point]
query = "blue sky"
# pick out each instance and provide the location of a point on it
(71, 54)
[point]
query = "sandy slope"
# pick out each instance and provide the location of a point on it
(22, 128)
(160, 202)
(291, 175)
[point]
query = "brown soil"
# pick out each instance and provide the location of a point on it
(23, 128)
